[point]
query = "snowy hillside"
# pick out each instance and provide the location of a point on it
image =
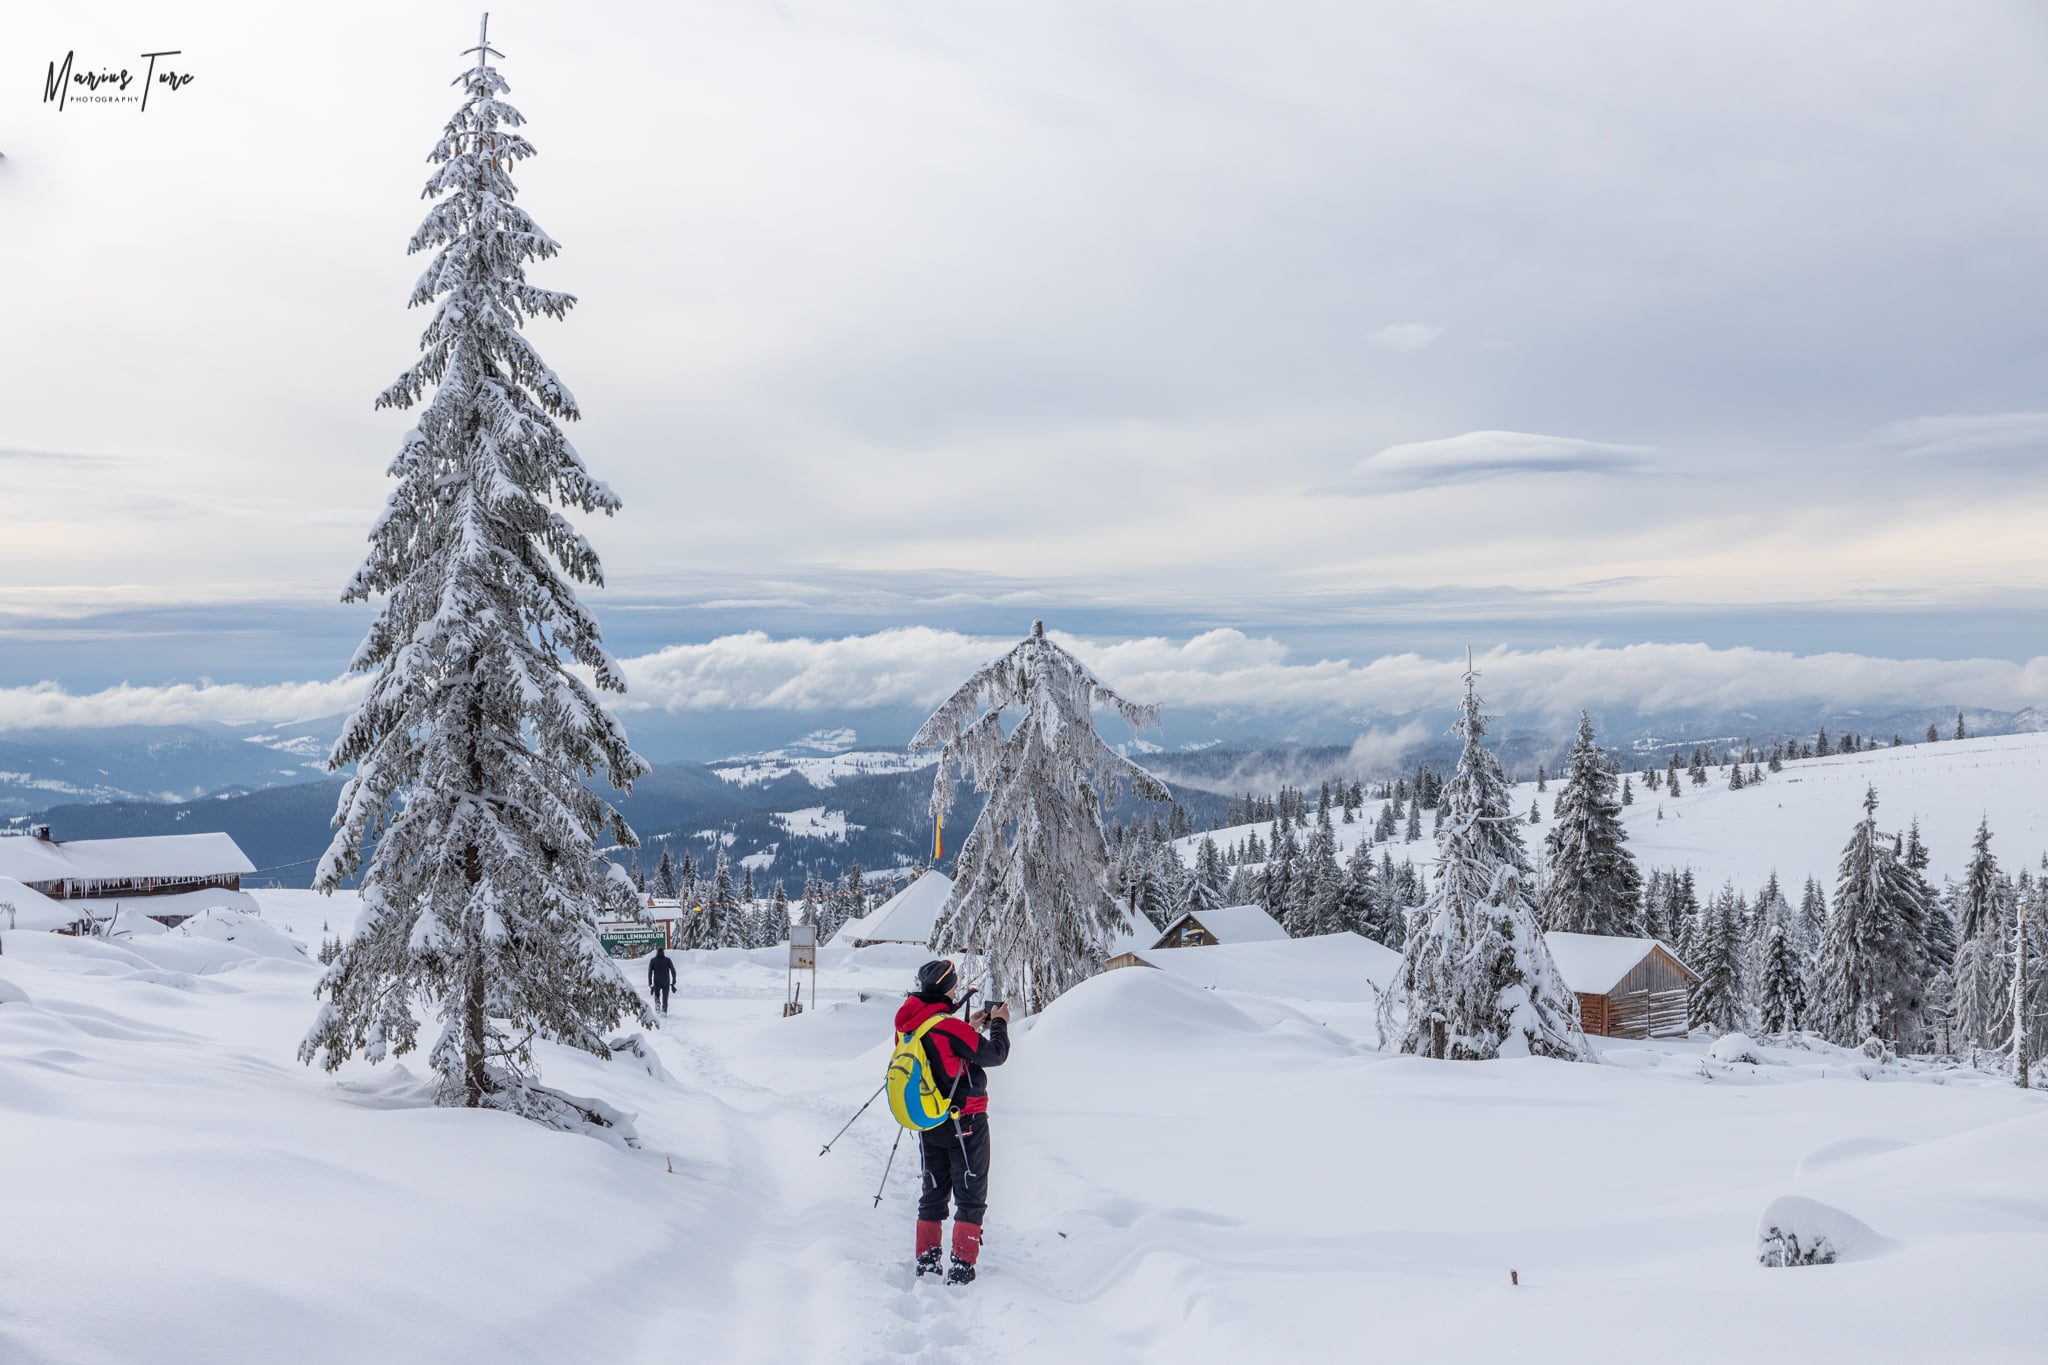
(1796, 821)
(1265, 1186)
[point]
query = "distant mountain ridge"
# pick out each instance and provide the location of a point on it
(811, 806)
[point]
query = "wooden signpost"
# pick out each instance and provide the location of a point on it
(803, 955)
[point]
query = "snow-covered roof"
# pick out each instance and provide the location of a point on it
(29, 859)
(1340, 966)
(849, 933)
(1594, 964)
(1142, 934)
(1229, 924)
(910, 915)
(32, 909)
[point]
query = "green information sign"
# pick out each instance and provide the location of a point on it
(631, 940)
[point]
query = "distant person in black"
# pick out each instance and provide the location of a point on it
(955, 1152)
(661, 977)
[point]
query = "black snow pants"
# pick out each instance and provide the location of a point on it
(947, 1176)
(661, 998)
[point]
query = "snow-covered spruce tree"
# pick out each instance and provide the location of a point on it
(1326, 901)
(1476, 978)
(1594, 886)
(470, 747)
(1781, 992)
(1205, 888)
(725, 927)
(1872, 963)
(1717, 1000)
(1811, 924)
(1032, 891)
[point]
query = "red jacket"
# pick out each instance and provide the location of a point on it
(953, 1045)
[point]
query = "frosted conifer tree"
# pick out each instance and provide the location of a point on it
(1781, 993)
(1873, 958)
(1594, 885)
(1205, 890)
(1813, 917)
(1772, 911)
(481, 894)
(1032, 892)
(1716, 1000)
(1324, 908)
(1476, 979)
(723, 925)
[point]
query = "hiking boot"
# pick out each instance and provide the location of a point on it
(929, 1255)
(966, 1251)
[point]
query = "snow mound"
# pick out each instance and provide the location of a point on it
(1341, 966)
(635, 1050)
(247, 932)
(11, 994)
(1137, 1008)
(1848, 1149)
(1734, 1047)
(1799, 1231)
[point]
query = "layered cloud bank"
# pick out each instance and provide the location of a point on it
(1220, 672)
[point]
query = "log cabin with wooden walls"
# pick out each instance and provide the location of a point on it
(1627, 987)
(168, 877)
(1226, 924)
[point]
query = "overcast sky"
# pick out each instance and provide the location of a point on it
(1362, 328)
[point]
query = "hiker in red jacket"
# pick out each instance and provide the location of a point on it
(955, 1152)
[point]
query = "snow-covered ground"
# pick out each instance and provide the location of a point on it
(1181, 1174)
(1796, 821)
(816, 822)
(821, 771)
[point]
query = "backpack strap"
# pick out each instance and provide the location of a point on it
(922, 1036)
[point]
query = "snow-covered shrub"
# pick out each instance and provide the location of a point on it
(1799, 1231)
(1734, 1047)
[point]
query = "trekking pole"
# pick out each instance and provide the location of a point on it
(856, 1114)
(886, 1169)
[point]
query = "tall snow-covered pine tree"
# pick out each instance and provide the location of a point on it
(1476, 979)
(471, 744)
(1594, 886)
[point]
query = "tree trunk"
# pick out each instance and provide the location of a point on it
(475, 1082)
(2019, 995)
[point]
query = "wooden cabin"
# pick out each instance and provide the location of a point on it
(170, 877)
(1227, 924)
(1627, 987)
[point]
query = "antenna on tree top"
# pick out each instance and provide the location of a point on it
(483, 47)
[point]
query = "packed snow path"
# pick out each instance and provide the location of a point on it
(1180, 1175)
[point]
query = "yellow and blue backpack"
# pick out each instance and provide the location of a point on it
(915, 1097)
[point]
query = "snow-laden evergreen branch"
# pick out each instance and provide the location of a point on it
(1032, 890)
(472, 744)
